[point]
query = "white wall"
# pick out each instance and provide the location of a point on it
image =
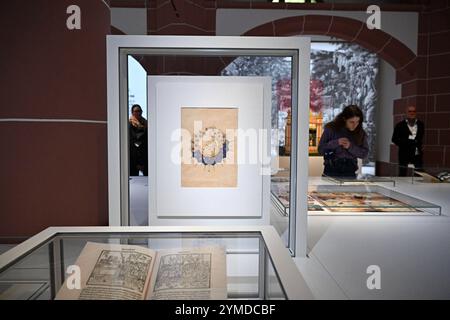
(388, 91)
(401, 25)
(130, 20)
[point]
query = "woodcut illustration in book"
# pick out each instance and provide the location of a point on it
(129, 272)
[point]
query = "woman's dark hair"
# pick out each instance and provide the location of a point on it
(339, 122)
(135, 106)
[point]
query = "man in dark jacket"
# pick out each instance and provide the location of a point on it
(408, 136)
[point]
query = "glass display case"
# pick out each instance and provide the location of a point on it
(366, 199)
(226, 59)
(279, 194)
(360, 197)
(410, 174)
(256, 263)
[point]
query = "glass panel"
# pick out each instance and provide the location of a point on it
(24, 290)
(365, 179)
(280, 194)
(27, 279)
(430, 174)
(365, 199)
(410, 174)
(280, 70)
(274, 290)
(342, 74)
(279, 65)
(41, 273)
(137, 137)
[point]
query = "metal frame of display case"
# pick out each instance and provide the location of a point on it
(429, 175)
(281, 208)
(119, 47)
(410, 202)
(275, 200)
(291, 281)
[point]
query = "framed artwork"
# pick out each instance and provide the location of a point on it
(209, 147)
(197, 159)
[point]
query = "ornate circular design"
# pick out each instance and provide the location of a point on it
(210, 146)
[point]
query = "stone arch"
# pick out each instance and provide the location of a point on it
(386, 46)
(393, 51)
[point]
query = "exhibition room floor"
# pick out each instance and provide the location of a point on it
(412, 252)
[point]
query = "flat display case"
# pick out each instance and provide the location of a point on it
(354, 199)
(366, 199)
(258, 265)
(431, 175)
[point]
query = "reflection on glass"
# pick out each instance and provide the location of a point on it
(361, 199)
(278, 68)
(138, 136)
(343, 73)
(280, 71)
(273, 291)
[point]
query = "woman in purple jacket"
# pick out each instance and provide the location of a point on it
(344, 141)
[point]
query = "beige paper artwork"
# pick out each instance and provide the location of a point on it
(209, 147)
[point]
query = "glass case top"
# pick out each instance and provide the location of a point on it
(156, 265)
(343, 198)
(368, 198)
(360, 179)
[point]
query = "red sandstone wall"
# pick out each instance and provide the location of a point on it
(430, 88)
(425, 78)
(52, 173)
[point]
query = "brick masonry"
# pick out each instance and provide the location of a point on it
(431, 88)
(425, 77)
(53, 173)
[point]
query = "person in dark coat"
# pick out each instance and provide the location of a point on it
(343, 141)
(408, 136)
(138, 142)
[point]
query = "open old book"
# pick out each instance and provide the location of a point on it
(130, 272)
